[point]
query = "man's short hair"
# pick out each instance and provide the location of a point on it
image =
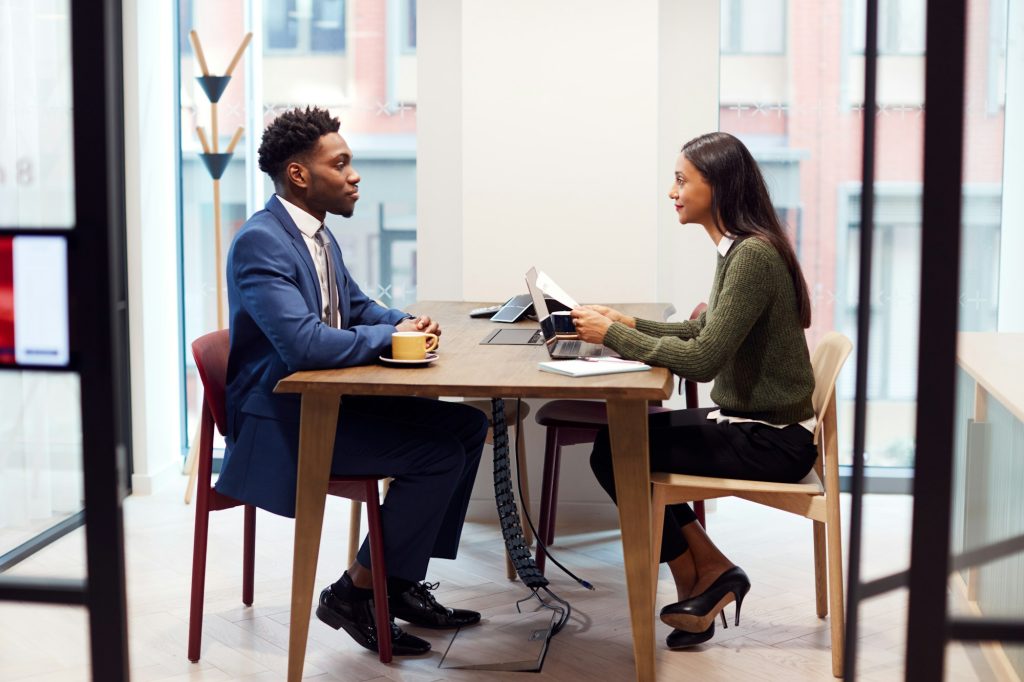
(292, 135)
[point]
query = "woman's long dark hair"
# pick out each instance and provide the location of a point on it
(740, 203)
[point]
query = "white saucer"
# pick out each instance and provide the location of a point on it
(408, 363)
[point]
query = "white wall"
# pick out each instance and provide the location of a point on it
(547, 136)
(150, 181)
(1011, 275)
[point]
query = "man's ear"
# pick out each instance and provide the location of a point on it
(297, 174)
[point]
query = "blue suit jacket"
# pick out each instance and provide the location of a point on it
(274, 306)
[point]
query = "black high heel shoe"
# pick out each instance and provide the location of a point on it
(680, 639)
(697, 614)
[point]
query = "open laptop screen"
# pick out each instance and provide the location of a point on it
(540, 305)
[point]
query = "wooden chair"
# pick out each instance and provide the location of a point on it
(573, 422)
(809, 498)
(211, 355)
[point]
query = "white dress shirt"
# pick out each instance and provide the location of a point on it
(308, 226)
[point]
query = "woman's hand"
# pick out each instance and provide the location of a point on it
(613, 315)
(590, 324)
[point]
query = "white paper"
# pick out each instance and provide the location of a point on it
(548, 286)
(587, 368)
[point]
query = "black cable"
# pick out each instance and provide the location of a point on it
(526, 513)
(508, 516)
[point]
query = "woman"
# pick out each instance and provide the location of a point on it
(750, 341)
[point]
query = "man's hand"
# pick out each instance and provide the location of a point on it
(423, 323)
(590, 324)
(613, 315)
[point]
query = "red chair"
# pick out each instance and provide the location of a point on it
(211, 355)
(572, 422)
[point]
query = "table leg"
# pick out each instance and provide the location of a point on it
(316, 448)
(627, 422)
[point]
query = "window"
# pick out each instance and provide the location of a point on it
(408, 25)
(305, 26)
(753, 26)
(900, 27)
(379, 241)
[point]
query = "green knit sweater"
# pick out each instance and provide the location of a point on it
(749, 340)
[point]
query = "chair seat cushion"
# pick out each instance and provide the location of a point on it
(579, 414)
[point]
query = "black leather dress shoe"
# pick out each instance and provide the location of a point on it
(357, 619)
(418, 606)
(680, 639)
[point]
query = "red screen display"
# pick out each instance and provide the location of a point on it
(6, 301)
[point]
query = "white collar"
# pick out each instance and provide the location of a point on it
(307, 224)
(723, 245)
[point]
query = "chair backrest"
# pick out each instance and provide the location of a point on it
(828, 360)
(211, 354)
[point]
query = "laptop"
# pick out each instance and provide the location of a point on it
(561, 349)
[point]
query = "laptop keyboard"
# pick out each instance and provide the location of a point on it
(580, 349)
(569, 347)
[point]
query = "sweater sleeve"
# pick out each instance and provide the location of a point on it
(681, 330)
(746, 290)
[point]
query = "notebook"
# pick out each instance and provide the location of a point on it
(589, 368)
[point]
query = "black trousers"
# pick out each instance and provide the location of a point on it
(687, 442)
(432, 449)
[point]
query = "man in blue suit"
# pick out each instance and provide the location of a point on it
(294, 306)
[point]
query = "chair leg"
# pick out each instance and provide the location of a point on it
(248, 554)
(355, 519)
(378, 572)
(698, 509)
(550, 449)
(192, 468)
(820, 570)
(195, 613)
(201, 535)
(835, 580)
(657, 531)
(554, 496)
(524, 476)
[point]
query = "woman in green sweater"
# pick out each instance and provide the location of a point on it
(751, 342)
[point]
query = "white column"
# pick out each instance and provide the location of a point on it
(150, 181)
(547, 136)
(439, 150)
(1011, 275)
(688, 107)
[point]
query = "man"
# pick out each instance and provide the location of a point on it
(294, 306)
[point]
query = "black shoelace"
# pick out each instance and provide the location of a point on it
(423, 590)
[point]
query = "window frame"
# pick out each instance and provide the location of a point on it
(734, 48)
(304, 33)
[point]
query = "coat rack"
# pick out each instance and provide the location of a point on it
(216, 163)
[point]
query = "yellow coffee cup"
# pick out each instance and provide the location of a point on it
(412, 345)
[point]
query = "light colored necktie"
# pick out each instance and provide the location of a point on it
(332, 282)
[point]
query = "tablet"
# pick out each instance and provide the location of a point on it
(514, 337)
(514, 309)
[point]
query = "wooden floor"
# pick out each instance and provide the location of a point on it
(779, 637)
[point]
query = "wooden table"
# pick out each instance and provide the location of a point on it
(466, 368)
